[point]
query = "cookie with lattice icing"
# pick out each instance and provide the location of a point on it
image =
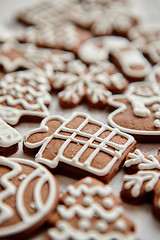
(147, 40)
(79, 146)
(90, 210)
(24, 95)
(120, 51)
(104, 19)
(15, 56)
(76, 81)
(29, 193)
(142, 183)
(137, 112)
(9, 139)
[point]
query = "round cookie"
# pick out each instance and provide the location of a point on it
(29, 193)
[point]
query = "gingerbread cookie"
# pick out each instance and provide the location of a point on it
(24, 95)
(79, 146)
(90, 210)
(104, 19)
(121, 52)
(137, 111)
(76, 81)
(142, 184)
(29, 193)
(15, 56)
(9, 139)
(147, 40)
(57, 35)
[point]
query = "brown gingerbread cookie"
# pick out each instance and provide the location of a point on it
(104, 19)
(79, 146)
(130, 61)
(147, 40)
(9, 139)
(142, 183)
(24, 95)
(76, 81)
(28, 195)
(15, 56)
(137, 112)
(90, 210)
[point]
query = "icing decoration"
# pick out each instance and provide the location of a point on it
(6, 34)
(8, 135)
(77, 81)
(147, 40)
(98, 49)
(148, 167)
(24, 93)
(14, 56)
(92, 222)
(88, 142)
(116, 18)
(144, 100)
(10, 189)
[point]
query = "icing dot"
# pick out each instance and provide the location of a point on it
(157, 114)
(69, 201)
(29, 97)
(88, 180)
(155, 107)
(87, 200)
(32, 205)
(120, 225)
(108, 202)
(22, 176)
(101, 226)
(157, 123)
(84, 224)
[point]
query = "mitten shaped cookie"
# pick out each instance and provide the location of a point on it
(142, 183)
(79, 146)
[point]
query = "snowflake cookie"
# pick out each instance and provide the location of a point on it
(28, 194)
(137, 111)
(79, 146)
(9, 139)
(90, 210)
(142, 183)
(147, 40)
(24, 95)
(76, 81)
(120, 51)
(15, 56)
(104, 19)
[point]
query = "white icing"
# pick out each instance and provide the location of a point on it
(87, 201)
(115, 45)
(27, 221)
(108, 203)
(101, 226)
(140, 103)
(147, 172)
(87, 180)
(69, 201)
(119, 149)
(8, 135)
(22, 176)
(15, 84)
(84, 224)
(120, 225)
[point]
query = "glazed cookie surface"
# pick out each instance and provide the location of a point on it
(137, 111)
(90, 210)
(28, 195)
(142, 183)
(79, 146)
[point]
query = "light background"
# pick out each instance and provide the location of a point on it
(147, 226)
